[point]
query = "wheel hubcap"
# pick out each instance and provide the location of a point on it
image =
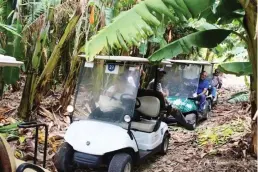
(128, 167)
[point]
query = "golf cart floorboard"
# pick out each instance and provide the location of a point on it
(144, 154)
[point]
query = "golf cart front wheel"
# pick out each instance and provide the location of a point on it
(191, 120)
(121, 162)
(207, 110)
(63, 158)
(165, 143)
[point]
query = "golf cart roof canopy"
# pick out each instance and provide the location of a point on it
(125, 58)
(190, 62)
(9, 61)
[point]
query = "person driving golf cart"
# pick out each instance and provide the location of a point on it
(161, 73)
(116, 99)
(202, 89)
(123, 84)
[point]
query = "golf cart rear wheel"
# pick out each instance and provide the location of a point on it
(63, 158)
(191, 120)
(121, 162)
(165, 144)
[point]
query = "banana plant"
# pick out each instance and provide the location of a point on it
(236, 68)
(131, 27)
(185, 44)
(35, 85)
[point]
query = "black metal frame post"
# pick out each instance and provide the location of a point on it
(156, 77)
(37, 125)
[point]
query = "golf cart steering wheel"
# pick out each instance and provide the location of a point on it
(138, 103)
(124, 97)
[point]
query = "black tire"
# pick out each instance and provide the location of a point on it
(165, 144)
(209, 104)
(206, 111)
(63, 158)
(191, 120)
(217, 100)
(120, 162)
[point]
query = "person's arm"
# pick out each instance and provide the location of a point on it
(220, 80)
(204, 91)
(110, 92)
(206, 86)
(166, 91)
(159, 88)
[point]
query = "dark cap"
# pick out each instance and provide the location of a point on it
(162, 70)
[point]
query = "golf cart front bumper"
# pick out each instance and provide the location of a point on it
(87, 160)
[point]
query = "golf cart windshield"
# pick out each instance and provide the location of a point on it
(106, 92)
(182, 79)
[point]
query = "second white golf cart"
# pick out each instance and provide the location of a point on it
(114, 124)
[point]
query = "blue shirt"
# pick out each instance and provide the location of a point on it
(202, 85)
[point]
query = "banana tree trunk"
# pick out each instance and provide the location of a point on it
(24, 110)
(54, 58)
(70, 83)
(26, 104)
(250, 24)
(71, 80)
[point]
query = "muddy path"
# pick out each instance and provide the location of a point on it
(187, 154)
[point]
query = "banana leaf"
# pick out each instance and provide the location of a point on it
(137, 24)
(225, 12)
(236, 68)
(11, 74)
(9, 29)
(239, 97)
(8, 128)
(204, 39)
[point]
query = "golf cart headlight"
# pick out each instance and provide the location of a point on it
(70, 108)
(127, 118)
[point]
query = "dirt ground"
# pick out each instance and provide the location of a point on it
(218, 144)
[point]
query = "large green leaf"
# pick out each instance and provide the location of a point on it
(11, 74)
(225, 12)
(130, 27)
(236, 68)
(203, 39)
(239, 97)
(9, 29)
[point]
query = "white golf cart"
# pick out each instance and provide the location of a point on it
(8, 163)
(114, 124)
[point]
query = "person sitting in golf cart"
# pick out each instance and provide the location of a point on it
(124, 85)
(117, 99)
(160, 88)
(202, 89)
(216, 83)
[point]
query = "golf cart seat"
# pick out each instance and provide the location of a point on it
(152, 103)
(8, 163)
(157, 94)
(150, 107)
